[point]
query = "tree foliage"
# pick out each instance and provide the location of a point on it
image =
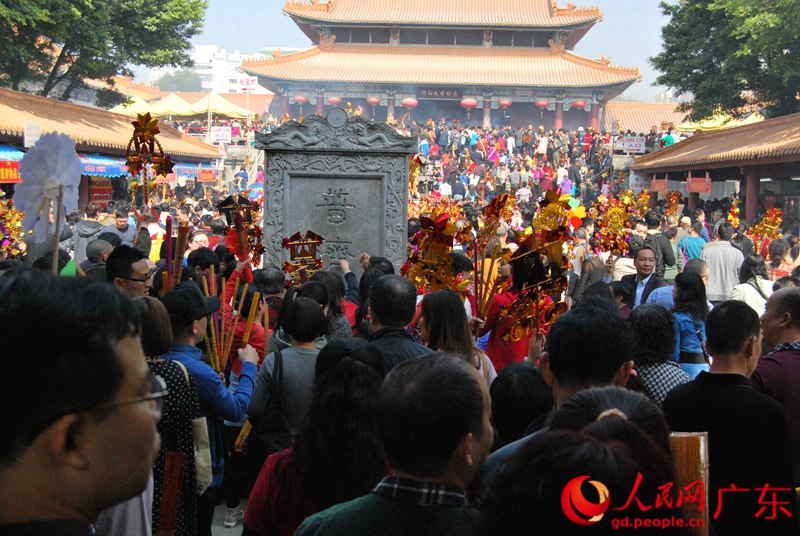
(59, 43)
(183, 80)
(731, 54)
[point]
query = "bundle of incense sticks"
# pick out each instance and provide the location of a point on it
(225, 331)
(211, 345)
(232, 326)
(251, 316)
(491, 285)
(241, 440)
(168, 246)
(180, 248)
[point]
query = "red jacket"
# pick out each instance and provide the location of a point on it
(502, 353)
(257, 333)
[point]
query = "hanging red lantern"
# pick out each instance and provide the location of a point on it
(409, 103)
(541, 103)
(469, 104)
(505, 103)
(579, 104)
(334, 100)
(373, 101)
(300, 99)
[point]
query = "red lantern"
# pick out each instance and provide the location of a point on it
(579, 104)
(409, 103)
(300, 99)
(469, 104)
(334, 100)
(505, 103)
(374, 101)
(541, 103)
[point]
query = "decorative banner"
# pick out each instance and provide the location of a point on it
(700, 185)
(658, 185)
(440, 93)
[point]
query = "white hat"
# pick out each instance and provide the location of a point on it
(580, 129)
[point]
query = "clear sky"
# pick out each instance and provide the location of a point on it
(629, 34)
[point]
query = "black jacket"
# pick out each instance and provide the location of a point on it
(397, 345)
(653, 283)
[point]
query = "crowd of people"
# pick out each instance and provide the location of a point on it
(360, 404)
(476, 164)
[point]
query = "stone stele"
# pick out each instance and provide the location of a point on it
(344, 178)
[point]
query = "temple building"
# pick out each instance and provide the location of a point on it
(508, 61)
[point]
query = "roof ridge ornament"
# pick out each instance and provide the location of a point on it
(324, 5)
(573, 9)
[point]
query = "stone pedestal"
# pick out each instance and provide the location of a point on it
(344, 178)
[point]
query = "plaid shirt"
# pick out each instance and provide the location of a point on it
(780, 347)
(421, 493)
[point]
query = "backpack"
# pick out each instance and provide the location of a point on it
(654, 242)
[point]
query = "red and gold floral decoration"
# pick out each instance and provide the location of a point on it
(429, 266)
(11, 231)
(733, 214)
(765, 231)
(613, 219)
(146, 159)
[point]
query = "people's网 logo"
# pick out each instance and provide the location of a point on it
(578, 508)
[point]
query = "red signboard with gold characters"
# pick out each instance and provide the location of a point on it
(700, 185)
(9, 172)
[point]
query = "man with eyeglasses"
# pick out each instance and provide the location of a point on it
(83, 437)
(130, 270)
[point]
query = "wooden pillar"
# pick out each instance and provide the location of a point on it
(753, 184)
(487, 113)
(284, 106)
(559, 115)
(320, 103)
(390, 109)
(594, 121)
(653, 195)
(693, 198)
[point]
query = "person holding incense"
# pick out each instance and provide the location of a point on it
(242, 324)
(500, 348)
(188, 311)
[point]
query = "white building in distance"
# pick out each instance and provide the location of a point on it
(217, 68)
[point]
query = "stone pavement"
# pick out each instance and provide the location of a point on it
(219, 515)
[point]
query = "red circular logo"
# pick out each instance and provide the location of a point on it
(577, 508)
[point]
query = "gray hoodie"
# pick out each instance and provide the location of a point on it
(85, 232)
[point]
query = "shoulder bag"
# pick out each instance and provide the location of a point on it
(204, 472)
(271, 432)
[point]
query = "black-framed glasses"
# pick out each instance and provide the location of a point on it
(158, 392)
(144, 279)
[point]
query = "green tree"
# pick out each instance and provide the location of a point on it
(183, 80)
(728, 54)
(61, 43)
